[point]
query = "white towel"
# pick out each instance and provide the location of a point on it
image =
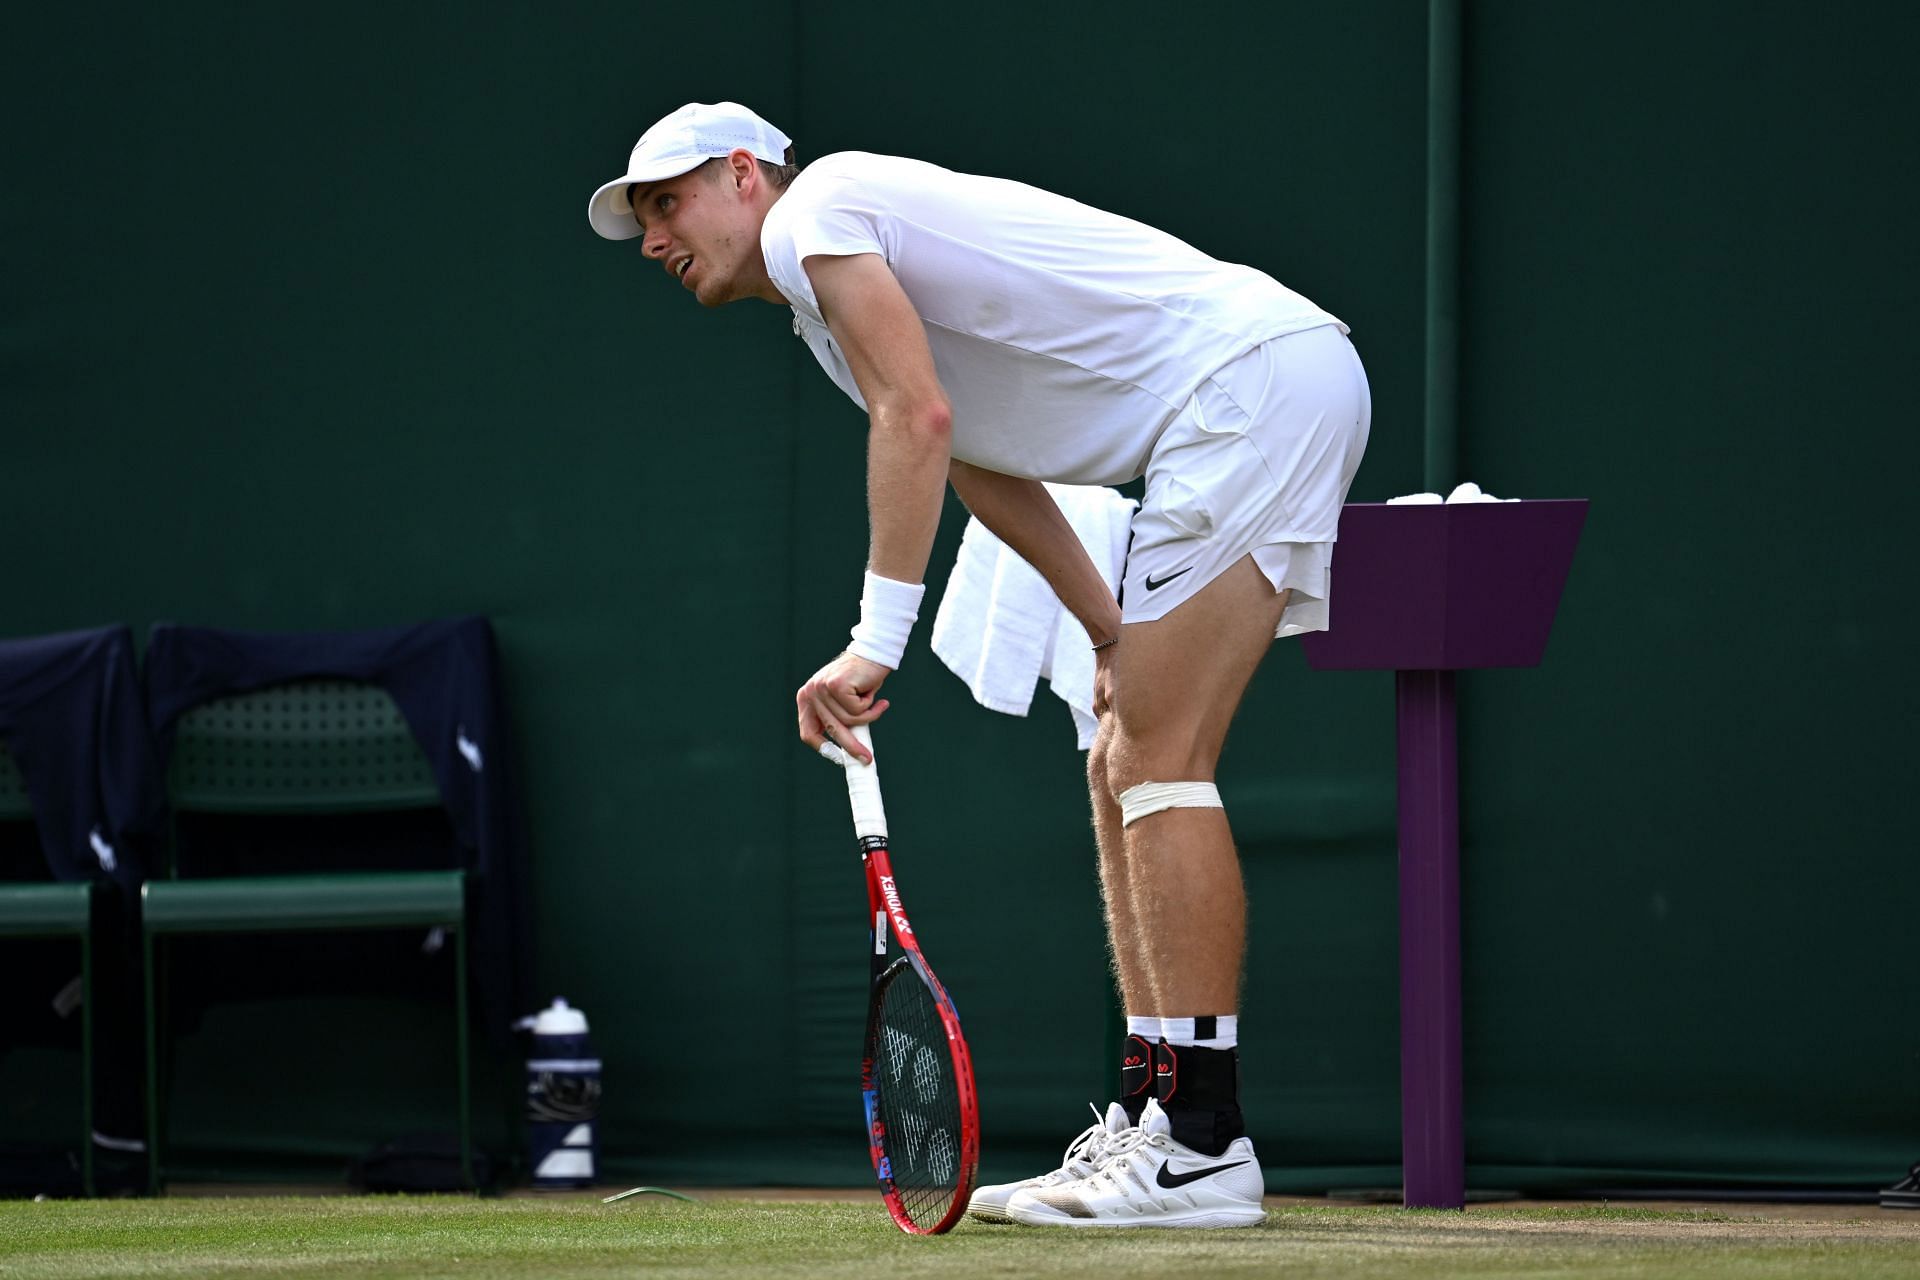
(1001, 629)
(1465, 492)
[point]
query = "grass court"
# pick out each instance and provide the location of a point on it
(729, 1235)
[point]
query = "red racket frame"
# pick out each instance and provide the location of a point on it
(887, 913)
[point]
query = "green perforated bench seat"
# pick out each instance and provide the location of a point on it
(311, 747)
(45, 910)
(315, 746)
(277, 904)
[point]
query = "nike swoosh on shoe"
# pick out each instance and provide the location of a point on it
(1168, 1179)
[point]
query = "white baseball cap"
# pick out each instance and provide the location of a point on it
(688, 138)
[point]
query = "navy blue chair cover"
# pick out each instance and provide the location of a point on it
(73, 719)
(443, 675)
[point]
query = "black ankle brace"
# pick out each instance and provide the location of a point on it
(1199, 1089)
(1136, 1075)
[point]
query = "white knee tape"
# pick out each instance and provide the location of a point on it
(1151, 797)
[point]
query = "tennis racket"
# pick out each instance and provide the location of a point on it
(923, 1123)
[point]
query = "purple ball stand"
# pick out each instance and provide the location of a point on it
(1424, 591)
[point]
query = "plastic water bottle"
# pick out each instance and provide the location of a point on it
(563, 1099)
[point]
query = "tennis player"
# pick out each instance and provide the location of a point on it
(999, 336)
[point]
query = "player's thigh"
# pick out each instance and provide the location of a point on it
(1177, 681)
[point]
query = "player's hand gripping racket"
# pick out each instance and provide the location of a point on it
(923, 1125)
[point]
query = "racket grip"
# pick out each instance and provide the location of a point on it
(863, 790)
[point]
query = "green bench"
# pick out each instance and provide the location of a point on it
(309, 748)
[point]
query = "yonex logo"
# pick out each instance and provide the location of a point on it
(892, 895)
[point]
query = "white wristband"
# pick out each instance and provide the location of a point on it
(887, 613)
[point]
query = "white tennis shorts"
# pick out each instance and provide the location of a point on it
(1258, 461)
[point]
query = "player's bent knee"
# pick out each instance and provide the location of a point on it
(1132, 760)
(1097, 762)
(1145, 798)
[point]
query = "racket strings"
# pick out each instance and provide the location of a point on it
(919, 1098)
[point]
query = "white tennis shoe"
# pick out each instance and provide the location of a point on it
(1149, 1180)
(1084, 1154)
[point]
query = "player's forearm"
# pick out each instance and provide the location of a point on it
(907, 454)
(1022, 514)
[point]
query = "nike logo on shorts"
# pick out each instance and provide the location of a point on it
(1170, 1180)
(1155, 586)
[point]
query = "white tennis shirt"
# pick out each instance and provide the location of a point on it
(1066, 337)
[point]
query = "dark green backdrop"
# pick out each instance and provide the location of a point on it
(303, 327)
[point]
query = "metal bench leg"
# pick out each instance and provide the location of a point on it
(460, 1040)
(86, 1062)
(153, 1068)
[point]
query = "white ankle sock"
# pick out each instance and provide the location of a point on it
(1147, 1029)
(1221, 1031)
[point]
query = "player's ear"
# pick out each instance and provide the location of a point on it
(742, 168)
